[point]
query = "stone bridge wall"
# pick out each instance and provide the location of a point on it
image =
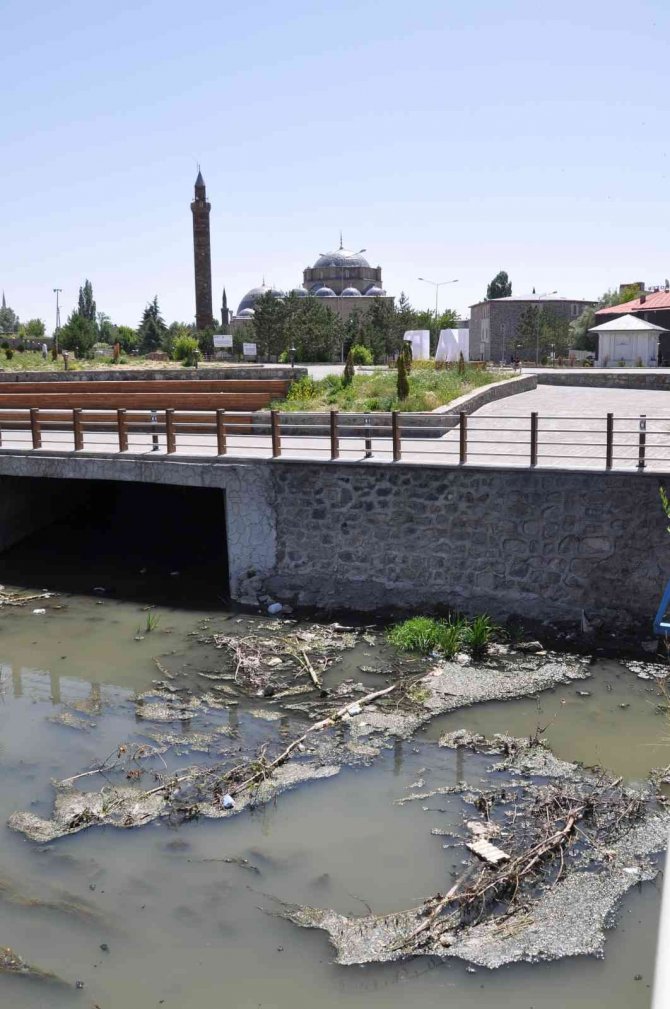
(375, 536)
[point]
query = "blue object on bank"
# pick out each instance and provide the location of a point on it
(661, 624)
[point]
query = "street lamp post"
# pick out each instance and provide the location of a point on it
(57, 291)
(437, 286)
(547, 294)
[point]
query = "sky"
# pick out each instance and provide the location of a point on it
(448, 139)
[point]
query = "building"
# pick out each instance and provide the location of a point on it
(202, 256)
(628, 340)
(652, 306)
(494, 324)
(344, 279)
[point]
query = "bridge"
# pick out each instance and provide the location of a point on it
(502, 512)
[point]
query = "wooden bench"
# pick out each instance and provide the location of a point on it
(277, 387)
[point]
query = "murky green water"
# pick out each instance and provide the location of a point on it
(186, 928)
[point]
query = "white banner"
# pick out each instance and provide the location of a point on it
(249, 349)
(223, 342)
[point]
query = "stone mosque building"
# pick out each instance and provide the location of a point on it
(344, 279)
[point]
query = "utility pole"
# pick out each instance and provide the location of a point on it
(57, 291)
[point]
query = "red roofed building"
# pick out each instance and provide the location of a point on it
(652, 306)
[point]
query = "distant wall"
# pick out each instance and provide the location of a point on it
(121, 374)
(642, 378)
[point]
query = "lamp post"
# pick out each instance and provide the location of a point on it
(547, 294)
(57, 291)
(437, 285)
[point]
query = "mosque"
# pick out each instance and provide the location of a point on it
(343, 278)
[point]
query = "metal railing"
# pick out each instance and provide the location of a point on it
(532, 440)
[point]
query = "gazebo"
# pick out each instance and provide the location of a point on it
(630, 341)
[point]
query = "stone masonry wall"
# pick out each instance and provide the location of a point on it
(544, 545)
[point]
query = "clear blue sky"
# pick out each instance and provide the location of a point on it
(450, 139)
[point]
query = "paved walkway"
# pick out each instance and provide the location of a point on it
(571, 434)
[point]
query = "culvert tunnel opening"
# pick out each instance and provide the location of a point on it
(147, 542)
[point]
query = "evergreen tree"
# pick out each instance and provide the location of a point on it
(86, 306)
(9, 320)
(79, 335)
(349, 370)
(407, 354)
(500, 287)
(152, 329)
(403, 383)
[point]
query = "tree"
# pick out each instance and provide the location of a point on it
(270, 325)
(107, 331)
(349, 370)
(79, 335)
(9, 320)
(127, 338)
(527, 329)
(500, 287)
(33, 329)
(86, 305)
(403, 383)
(152, 329)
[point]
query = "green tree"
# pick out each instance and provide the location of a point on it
(403, 382)
(313, 329)
(349, 370)
(78, 335)
(33, 329)
(107, 331)
(269, 325)
(9, 320)
(86, 305)
(152, 328)
(185, 349)
(127, 338)
(500, 287)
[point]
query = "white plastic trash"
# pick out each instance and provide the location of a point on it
(275, 608)
(39, 612)
(228, 801)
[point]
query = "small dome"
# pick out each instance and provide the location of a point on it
(374, 292)
(351, 292)
(324, 292)
(342, 257)
(252, 296)
(246, 313)
(299, 292)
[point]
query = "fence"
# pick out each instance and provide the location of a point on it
(532, 440)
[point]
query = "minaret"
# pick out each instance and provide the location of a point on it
(225, 318)
(202, 256)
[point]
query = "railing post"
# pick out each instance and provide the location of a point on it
(533, 439)
(154, 431)
(463, 438)
(170, 434)
(395, 434)
(220, 432)
(123, 430)
(609, 450)
(334, 435)
(642, 442)
(275, 429)
(368, 436)
(35, 428)
(78, 430)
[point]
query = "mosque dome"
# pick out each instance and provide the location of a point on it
(342, 257)
(374, 292)
(299, 292)
(351, 292)
(252, 296)
(324, 292)
(246, 313)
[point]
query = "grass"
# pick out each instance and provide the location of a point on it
(428, 389)
(427, 634)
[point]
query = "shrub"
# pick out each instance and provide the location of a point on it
(349, 370)
(403, 384)
(302, 390)
(9, 353)
(4, 345)
(477, 635)
(185, 349)
(408, 354)
(426, 635)
(360, 354)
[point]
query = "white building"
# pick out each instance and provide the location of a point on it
(630, 340)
